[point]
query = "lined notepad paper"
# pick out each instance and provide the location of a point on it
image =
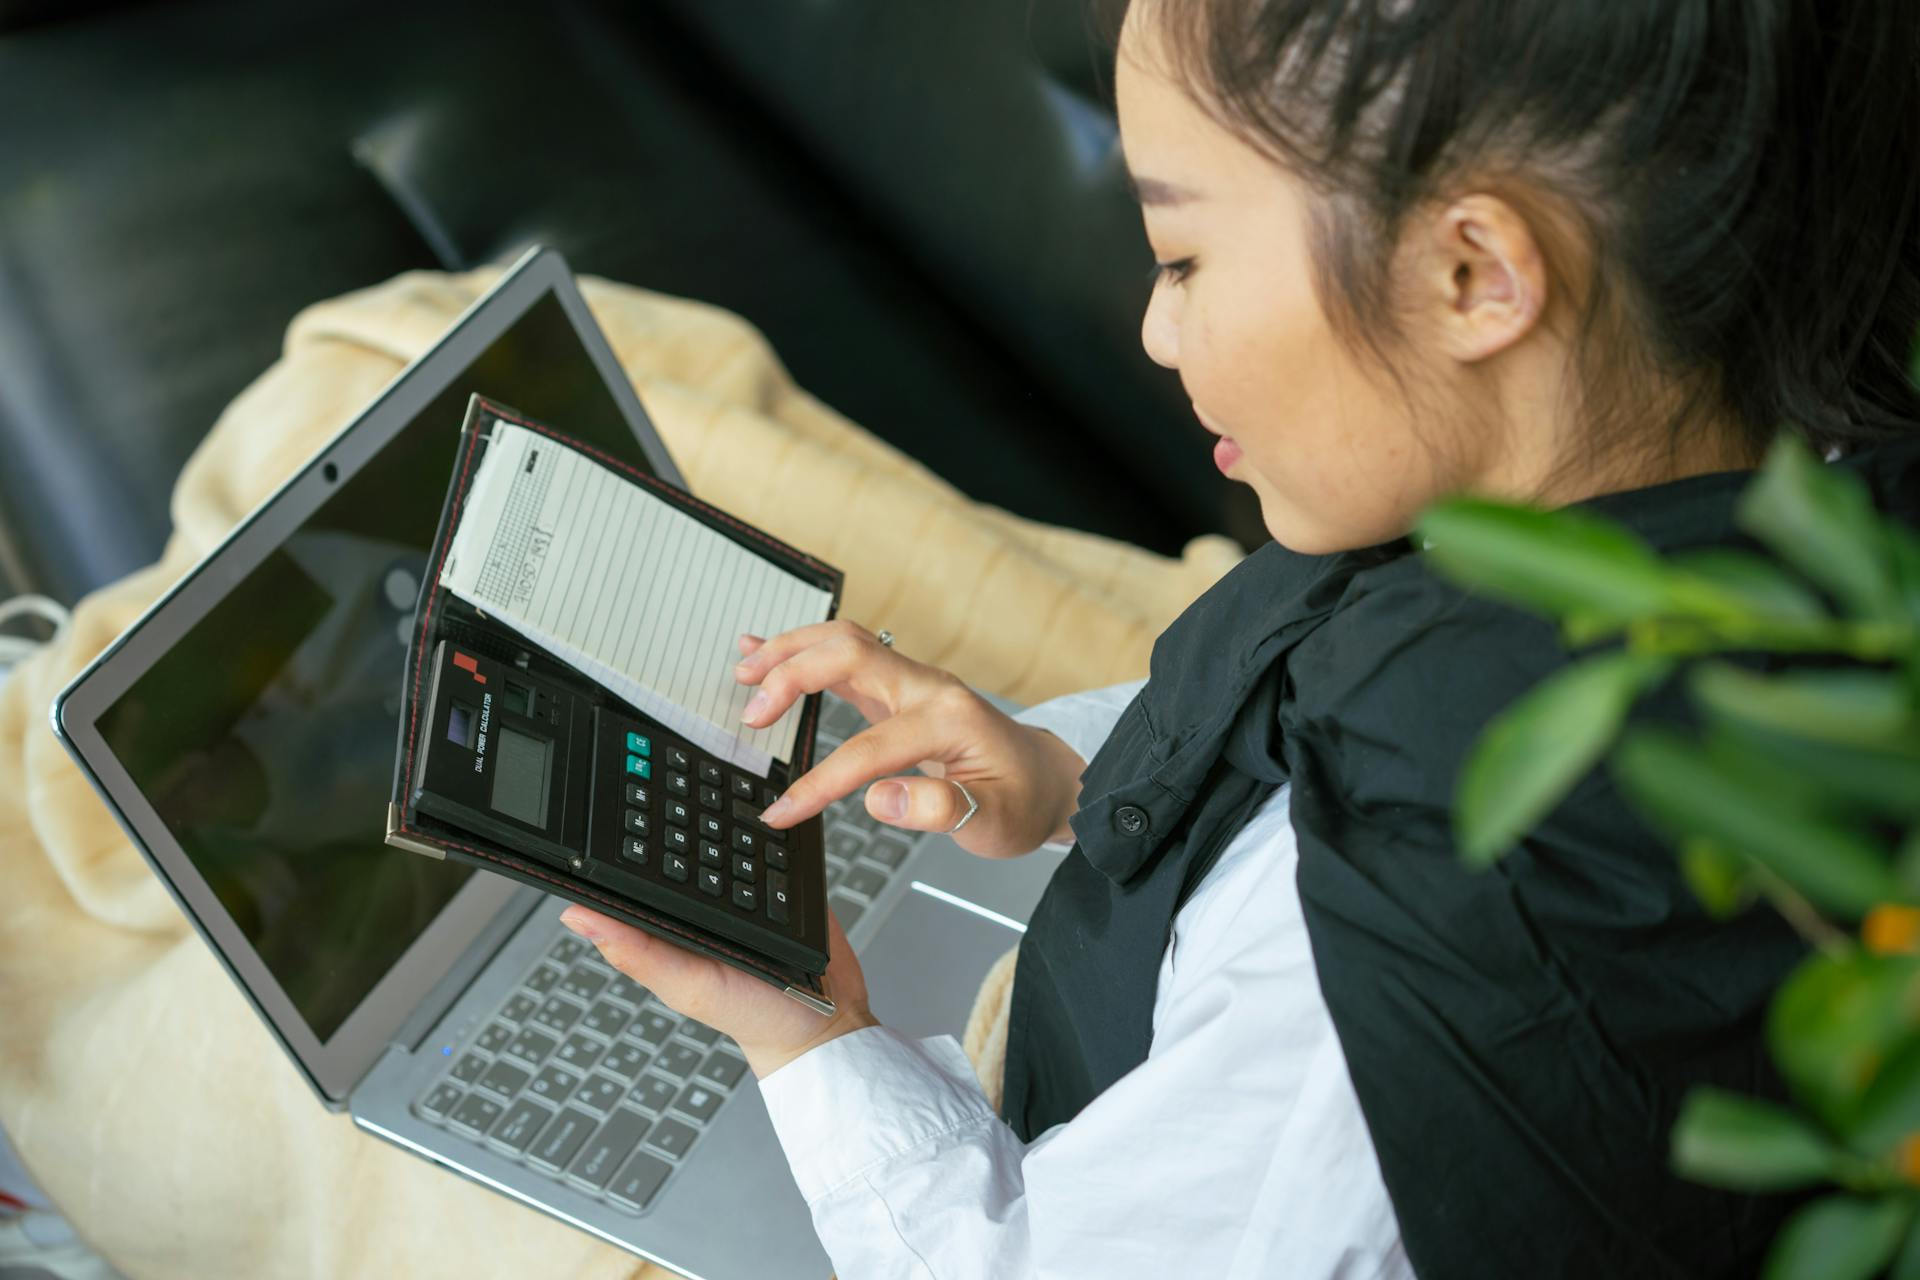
(628, 589)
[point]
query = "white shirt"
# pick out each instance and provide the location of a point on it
(1237, 1149)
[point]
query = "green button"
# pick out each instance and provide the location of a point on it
(642, 767)
(639, 745)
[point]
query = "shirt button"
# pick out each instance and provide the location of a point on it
(1131, 819)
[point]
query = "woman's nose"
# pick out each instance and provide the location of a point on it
(1160, 328)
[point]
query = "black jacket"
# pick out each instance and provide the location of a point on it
(1519, 1039)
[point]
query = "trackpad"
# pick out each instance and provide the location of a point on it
(925, 964)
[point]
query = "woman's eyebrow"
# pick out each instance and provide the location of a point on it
(1154, 191)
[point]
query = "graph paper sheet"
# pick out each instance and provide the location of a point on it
(628, 589)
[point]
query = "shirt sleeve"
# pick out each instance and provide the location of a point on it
(1081, 720)
(1236, 1149)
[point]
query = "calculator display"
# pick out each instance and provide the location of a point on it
(522, 776)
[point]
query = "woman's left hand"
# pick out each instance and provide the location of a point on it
(771, 1028)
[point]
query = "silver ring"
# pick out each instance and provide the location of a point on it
(885, 637)
(973, 806)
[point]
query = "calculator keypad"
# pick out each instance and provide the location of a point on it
(692, 823)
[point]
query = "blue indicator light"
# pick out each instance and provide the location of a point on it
(446, 1051)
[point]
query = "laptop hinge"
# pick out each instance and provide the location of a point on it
(460, 975)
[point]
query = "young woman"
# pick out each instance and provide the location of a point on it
(1264, 1023)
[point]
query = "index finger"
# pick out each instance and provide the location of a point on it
(878, 751)
(777, 649)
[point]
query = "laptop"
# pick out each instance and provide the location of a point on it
(241, 731)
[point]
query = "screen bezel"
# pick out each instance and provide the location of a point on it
(334, 1066)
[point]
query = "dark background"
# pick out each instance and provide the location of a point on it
(919, 201)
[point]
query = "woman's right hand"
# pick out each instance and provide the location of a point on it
(1027, 781)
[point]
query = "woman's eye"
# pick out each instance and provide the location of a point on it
(1171, 272)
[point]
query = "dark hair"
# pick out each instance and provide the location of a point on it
(1745, 173)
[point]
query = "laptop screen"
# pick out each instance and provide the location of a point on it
(264, 738)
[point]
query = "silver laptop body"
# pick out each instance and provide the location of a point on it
(241, 732)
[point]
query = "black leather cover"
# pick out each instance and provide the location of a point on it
(442, 616)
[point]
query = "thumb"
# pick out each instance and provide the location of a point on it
(918, 804)
(670, 972)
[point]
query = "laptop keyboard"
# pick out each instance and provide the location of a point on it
(583, 1076)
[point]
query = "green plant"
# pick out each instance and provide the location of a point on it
(1802, 788)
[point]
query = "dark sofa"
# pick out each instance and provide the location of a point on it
(920, 203)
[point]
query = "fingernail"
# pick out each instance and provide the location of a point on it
(778, 810)
(755, 705)
(890, 800)
(742, 671)
(578, 925)
(748, 641)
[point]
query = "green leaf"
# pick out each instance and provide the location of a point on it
(1855, 706)
(1907, 862)
(1826, 776)
(1757, 582)
(1907, 1265)
(1890, 1109)
(1557, 562)
(1834, 1025)
(1717, 876)
(1535, 750)
(1820, 520)
(1688, 794)
(1725, 1140)
(1904, 545)
(1839, 1237)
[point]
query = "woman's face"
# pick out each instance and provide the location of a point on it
(1329, 447)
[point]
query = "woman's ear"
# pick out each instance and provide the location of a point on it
(1483, 278)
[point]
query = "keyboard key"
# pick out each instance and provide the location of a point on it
(633, 849)
(624, 1060)
(517, 1128)
(610, 1146)
(888, 850)
(634, 821)
(557, 1015)
(846, 910)
(564, 1135)
(678, 813)
(475, 1114)
(638, 745)
(638, 796)
(745, 811)
(698, 1101)
(745, 896)
(586, 983)
(625, 989)
(638, 1181)
(710, 798)
(710, 773)
(741, 786)
(652, 1027)
(864, 881)
(553, 1084)
(639, 768)
(566, 949)
(469, 1068)
(844, 844)
(710, 855)
(607, 1019)
(700, 1032)
(532, 1045)
(745, 841)
(541, 980)
(768, 794)
(775, 855)
(671, 1138)
(599, 1093)
(519, 1006)
(710, 881)
(722, 1069)
(679, 759)
(653, 1093)
(677, 841)
(496, 1037)
(677, 785)
(711, 828)
(677, 1060)
(674, 866)
(745, 868)
(504, 1078)
(439, 1100)
(579, 1053)
(776, 897)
